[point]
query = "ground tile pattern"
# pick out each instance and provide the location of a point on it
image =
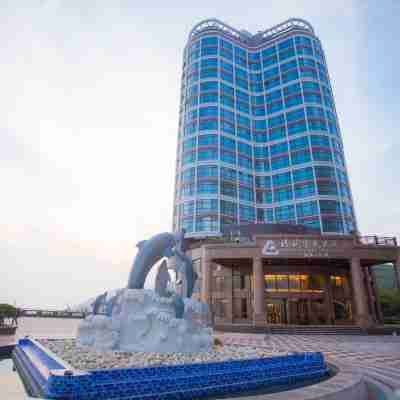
(376, 357)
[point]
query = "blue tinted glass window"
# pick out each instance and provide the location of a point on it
(188, 158)
(276, 121)
(209, 41)
(269, 51)
(228, 157)
(291, 89)
(227, 115)
(208, 98)
(207, 140)
(226, 76)
(246, 194)
(299, 143)
(283, 194)
(280, 162)
(293, 100)
(228, 143)
(243, 120)
(242, 83)
(300, 157)
(302, 40)
(204, 187)
(206, 224)
(295, 128)
(262, 166)
(226, 53)
(209, 63)
(303, 174)
(245, 162)
(274, 95)
(317, 140)
(283, 55)
(227, 89)
(228, 189)
(208, 124)
(227, 66)
(209, 51)
(282, 179)
(324, 172)
(208, 111)
(270, 73)
(246, 213)
(228, 174)
(227, 126)
(208, 86)
(206, 205)
(226, 45)
(259, 124)
(322, 155)
(288, 65)
(244, 148)
(285, 44)
(245, 179)
(228, 208)
(279, 148)
(189, 144)
(277, 133)
(188, 175)
(227, 101)
(260, 151)
(302, 190)
(327, 188)
(242, 95)
(243, 132)
(208, 73)
(284, 213)
(290, 76)
(271, 83)
(207, 154)
(295, 115)
(187, 208)
(207, 171)
(307, 209)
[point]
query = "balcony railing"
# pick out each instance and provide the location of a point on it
(377, 240)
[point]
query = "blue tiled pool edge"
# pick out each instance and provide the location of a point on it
(45, 375)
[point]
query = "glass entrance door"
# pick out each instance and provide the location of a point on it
(276, 311)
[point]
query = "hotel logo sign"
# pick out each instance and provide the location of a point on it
(301, 247)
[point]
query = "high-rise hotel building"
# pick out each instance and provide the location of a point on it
(259, 139)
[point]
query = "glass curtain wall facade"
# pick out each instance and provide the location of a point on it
(259, 139)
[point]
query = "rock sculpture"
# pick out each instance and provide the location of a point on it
(136, 319)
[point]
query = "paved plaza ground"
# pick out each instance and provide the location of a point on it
(376, 357)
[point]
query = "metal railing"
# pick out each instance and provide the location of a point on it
(373, 240)
(263, 36)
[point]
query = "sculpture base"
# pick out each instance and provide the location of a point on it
(145, 322)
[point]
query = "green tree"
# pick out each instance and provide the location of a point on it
(7, 312)
(390, 302)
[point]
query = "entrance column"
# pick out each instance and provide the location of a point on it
(206, 271)
(259, 291)
(362, 318)
(328, 300)
(371, 294)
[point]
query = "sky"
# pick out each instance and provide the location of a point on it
(89, 99)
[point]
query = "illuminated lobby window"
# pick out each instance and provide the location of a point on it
(292, 283)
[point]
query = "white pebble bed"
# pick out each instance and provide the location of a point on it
(86, 358)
